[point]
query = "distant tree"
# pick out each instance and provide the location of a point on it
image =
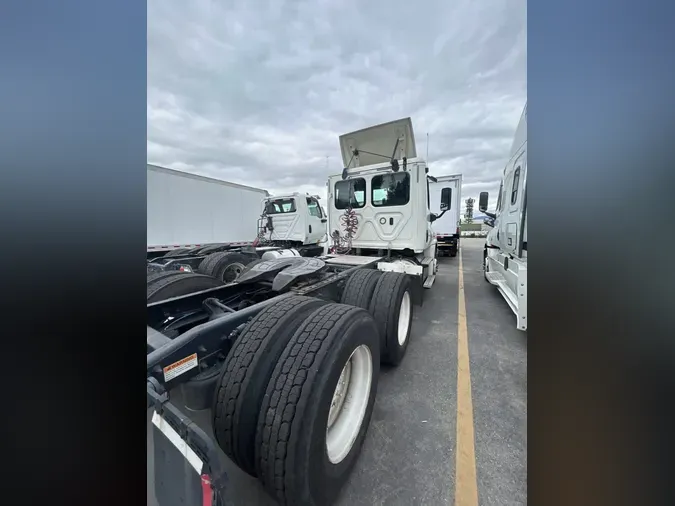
(468, 213)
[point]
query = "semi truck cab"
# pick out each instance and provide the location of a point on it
(297, 219)
(505, 253)
(380, 205)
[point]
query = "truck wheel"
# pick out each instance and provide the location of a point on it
(392, 309)
(211, 249)
(176, 252)
(155, 276)
(359, 288)
(174, 286)
(308, 437)
(453, 252)
(248, 367)
(225, 266)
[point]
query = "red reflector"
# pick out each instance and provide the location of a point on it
(207, 491)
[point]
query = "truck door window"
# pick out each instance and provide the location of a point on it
(313, 207)
(514, 188)
(351, 192)
(499, 197)
(391, 189)
(280, 206)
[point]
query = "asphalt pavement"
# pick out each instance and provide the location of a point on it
(409, 455)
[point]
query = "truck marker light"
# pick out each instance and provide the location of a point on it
(207, 491)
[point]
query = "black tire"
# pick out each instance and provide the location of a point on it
(155, 276)
(176, 252)
(291, 442)
(385, 306)
(225, 266)
(453, 252)
(249, 365)
(210, 249)
(174, 286)
(359, 288)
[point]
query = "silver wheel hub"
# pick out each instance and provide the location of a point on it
(349, 403)
(232, 272)
(404, 316)
(340, 393)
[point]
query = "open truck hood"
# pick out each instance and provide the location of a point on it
(381, 140)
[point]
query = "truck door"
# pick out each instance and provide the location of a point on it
(514, 199)
(391, 204)
(316, 221)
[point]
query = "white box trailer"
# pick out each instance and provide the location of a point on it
(188, 211)
(446, 226)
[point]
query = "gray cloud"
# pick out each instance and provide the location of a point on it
(258, 92)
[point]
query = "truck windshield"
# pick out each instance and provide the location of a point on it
(280, 206)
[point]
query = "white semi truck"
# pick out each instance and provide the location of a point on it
(505, 254)
(284, 362)
(385, 209)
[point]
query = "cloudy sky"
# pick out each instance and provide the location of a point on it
(257, 92)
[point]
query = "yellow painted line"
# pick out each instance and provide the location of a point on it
(466, 486)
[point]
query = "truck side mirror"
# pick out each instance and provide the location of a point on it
(446, 198)
(483, 201)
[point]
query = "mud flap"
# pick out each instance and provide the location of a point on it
(417, 283)
(178, 470)
(187, 466)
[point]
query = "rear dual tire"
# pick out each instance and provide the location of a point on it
(307, 442)
(388, 298)
(279, 411)
(225, 266)
(176, 283)
(359, 288)
(246, 373)
(392, 309)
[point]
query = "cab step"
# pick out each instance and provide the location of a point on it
(495, 278)
(499, 281)
(429, 281)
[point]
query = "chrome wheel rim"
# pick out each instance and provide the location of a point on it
(349, 404)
